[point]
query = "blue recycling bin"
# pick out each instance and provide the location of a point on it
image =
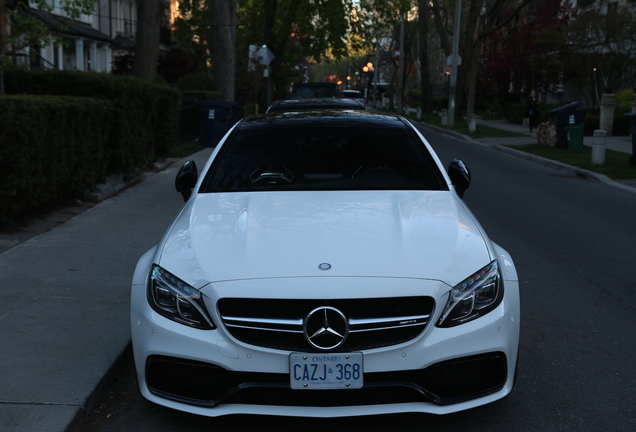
(564, 117)
(216, 117)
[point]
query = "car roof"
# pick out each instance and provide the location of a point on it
(314, 103)
(336, 118)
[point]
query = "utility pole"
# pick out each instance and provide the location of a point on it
(454, 61)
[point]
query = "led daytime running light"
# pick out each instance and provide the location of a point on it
(473, 297)
(176, 300)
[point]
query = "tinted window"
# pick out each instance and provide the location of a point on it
(323, 156)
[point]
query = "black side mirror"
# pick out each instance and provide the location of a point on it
(460, 176)
(186, 179)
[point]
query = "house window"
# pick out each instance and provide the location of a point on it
(119, 16)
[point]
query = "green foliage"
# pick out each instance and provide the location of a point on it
(27, 30)
(192, 31)
(143, 125)
(601, 48)
(624, 101)
(197, 82)
(616, 166)
(52, 147)
(515, 113)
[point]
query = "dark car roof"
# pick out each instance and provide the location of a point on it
(314, 103)
(313, 117)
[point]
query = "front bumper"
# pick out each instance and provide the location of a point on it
(442, 370)
(206, 385)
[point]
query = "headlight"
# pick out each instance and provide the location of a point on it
(473, 297)
(176, 300)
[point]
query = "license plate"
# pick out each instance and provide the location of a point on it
(325, 371)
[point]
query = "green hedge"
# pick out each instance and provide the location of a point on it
(50, 147)
(144, 122)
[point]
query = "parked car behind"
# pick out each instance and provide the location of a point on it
(314, 103)
(353, 94)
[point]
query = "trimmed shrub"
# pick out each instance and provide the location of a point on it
(50, 147)
(145, 120)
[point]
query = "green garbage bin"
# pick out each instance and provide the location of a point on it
(575, 137)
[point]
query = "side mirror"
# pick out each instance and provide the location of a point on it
(186, 179)
(460, 176)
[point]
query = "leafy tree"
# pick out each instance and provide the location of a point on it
(479, 20)
(19, 30)
(380, 30)
(294, 30)
(600, 50)
(193, 33)
(528, 54)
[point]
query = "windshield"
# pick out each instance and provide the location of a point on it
(279, 156)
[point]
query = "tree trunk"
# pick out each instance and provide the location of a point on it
(425, 76)
(3, 22)
(147, 39)
(225, 47)
(270, 11)
(472, 78)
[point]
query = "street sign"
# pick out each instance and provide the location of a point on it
(458, 61)
(265, 55)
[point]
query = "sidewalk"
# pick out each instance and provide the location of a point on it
(64, 313)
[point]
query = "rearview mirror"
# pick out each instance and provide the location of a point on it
(186, 179)
(460, 176)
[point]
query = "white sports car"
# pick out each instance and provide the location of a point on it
(324, 265)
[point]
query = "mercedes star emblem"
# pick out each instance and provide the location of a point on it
(326, 328)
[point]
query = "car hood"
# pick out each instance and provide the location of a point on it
(402, 234)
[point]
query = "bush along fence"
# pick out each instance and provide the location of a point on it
(64, 131)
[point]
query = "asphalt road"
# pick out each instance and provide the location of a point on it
(573, 243)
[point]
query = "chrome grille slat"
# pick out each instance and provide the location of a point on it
(379, 323)
(373, 323)
(295, 326)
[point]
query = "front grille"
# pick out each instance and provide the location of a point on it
(373, 323)
(444, 383)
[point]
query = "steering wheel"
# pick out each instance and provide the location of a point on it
(272, 176)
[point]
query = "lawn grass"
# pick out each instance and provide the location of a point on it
(616, 165)
(460, 125)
